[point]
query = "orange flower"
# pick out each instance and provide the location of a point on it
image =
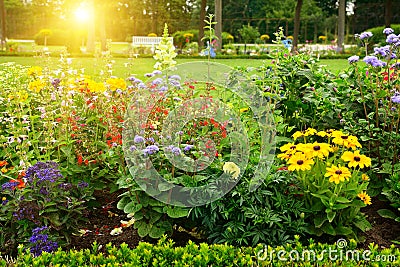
(3, 163)
(21, 183)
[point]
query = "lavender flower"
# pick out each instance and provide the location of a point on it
(149, 150)
(365, 35)
(188, 148)
(392, 39)
(353, 59)
(150, 139)
(396, 98)
(176, 151)
(132, 148)
(388, 31)
(157, 81)
(157, 72)
(138, 139)
(374, 61)
(83, 184)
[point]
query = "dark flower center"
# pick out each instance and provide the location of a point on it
(344, 137)
(300, 162)
(293, 147)
(338, 172)
(316, 148)
(356, 158)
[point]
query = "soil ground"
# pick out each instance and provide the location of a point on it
(103, 219)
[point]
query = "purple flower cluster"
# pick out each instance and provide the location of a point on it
(188, 148)
(393, 39)
(40, 242)
(43, 171)
(83, 184)
(388, 31)
(149, 150)
(9, 186)
(384, 51)
(139, 139)
(396, 98)
(175, 150)
(365, 35)
(374, 61)
(353, 59)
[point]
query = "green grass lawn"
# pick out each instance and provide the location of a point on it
(123, 67)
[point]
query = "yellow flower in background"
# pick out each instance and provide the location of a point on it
(337, 174)
(116, 83)
(232, 169)
(364, 177)
(300, 162)
(322, 133)
(365, 198)
(310, 131)
(36, 85)
(95, 87)
(243, 110)
(356, 159)
(22, 95)
(297, 134)
(35, 71)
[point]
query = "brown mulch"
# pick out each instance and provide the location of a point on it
(106, 217)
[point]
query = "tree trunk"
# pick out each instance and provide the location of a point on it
(341, 25)
(296, 25)
(202, 23)
(388, 13)
(218, 26)
(3, 25)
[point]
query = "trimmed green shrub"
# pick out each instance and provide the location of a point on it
(379, 38)
(164, 253)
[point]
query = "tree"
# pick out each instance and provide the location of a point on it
(388, 12)
(248, 34)
(202, 23)
(218, 26)
(341, 25)
(296, 25)
(3, 24)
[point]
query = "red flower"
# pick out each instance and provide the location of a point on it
(80, 160)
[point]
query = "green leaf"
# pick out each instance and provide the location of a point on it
(362, 224)
(143, 228)
(156, 232)
(342, 200)
(328, 228)
(331, 215)
(123, 202)
(176, 212)
(342, 230)
(132, 207)
(385, 213)
(319, 221)
(165, 186)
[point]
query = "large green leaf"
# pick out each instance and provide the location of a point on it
(385, 213)
(176, 212)
(143, 228)
(123, 202)
(132, 207)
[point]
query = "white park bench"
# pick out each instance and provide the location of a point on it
(147, 41)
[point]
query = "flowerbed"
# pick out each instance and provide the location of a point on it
(192, 147)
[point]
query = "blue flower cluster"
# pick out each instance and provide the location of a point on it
(43, 171)
(175, 150)
(40, 242)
